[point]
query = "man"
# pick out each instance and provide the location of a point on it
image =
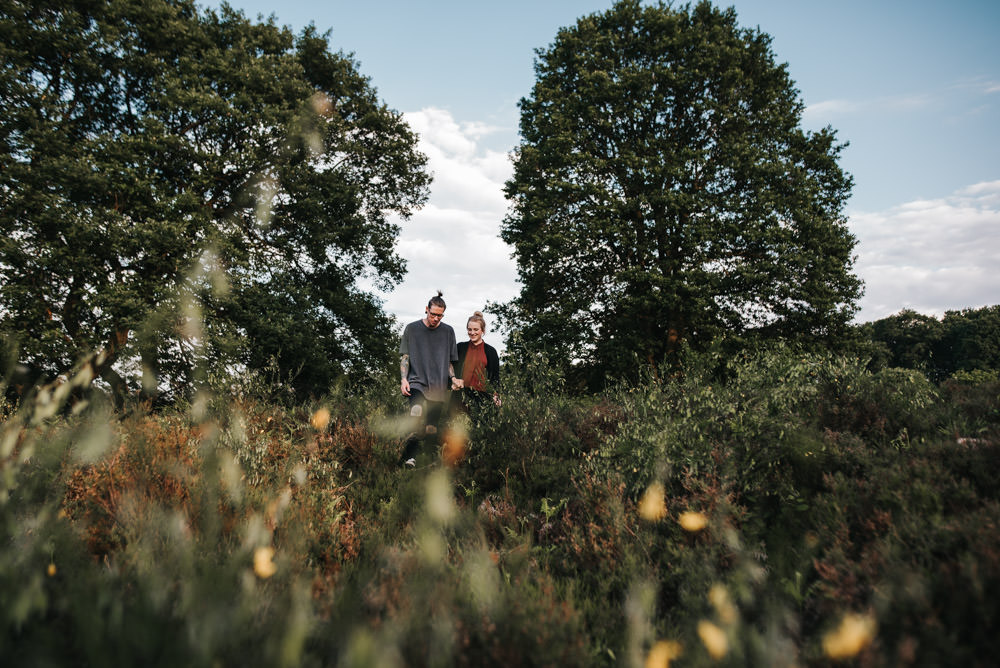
(428, 352)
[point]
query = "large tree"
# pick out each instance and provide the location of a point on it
(163, 165)
(664, 192)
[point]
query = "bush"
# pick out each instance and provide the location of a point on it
(770, 507)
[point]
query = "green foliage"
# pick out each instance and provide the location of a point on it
(133, 541)
(971, 411)
(977, 376)
(907, 340)
(913, 538)
(887, 405)
(738, 507)
(530, 445)
(663, 193)
(164, 165)
(972, 339)
(962, 342)
(735, 418)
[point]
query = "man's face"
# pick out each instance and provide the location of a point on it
(434, 315)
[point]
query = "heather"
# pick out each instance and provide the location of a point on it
(769, 508)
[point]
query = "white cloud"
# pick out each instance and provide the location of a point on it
(979, 84)
(986, 192)
(453, 244)
(904, 102)
(822, 112)
(931, 255)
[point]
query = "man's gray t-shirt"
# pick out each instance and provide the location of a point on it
(430, 351)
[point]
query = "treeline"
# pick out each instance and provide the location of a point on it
(965, 342)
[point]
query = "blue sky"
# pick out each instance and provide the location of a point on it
(913, 86)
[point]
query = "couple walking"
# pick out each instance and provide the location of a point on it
(432, 363)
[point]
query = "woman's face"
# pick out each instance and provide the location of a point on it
(475, 331)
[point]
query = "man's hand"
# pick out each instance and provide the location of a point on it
(404, 386)
(457, 383)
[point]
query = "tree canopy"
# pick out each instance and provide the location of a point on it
(163, 164)
(663, 193)
(966, 340)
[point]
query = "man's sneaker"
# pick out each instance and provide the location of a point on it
(411, 462)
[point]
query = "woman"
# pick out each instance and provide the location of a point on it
(478, 366)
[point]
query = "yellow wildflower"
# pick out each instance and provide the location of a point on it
(718, 596)
(663, 653)
(320, 419)
(652, 507)
(453, 449)
(51, 570)
(854, 634)
(322, 104)
(713, 638)
(693, 521)
(263, 564)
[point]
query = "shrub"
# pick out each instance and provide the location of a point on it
(738, 510)
(889, 406)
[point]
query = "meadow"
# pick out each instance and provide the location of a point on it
(773, 509)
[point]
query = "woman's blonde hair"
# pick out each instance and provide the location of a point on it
(478, 317)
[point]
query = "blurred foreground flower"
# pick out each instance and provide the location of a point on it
(663, 653)
(322, 104)
(440, 497)
(652, 507)
(453, 450)
(854, 634)
(692, 521)
(718, 596)
(263, 564)
(51, 570)
(713, 638)
(320, 419)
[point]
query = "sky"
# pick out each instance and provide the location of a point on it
(912, 86)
